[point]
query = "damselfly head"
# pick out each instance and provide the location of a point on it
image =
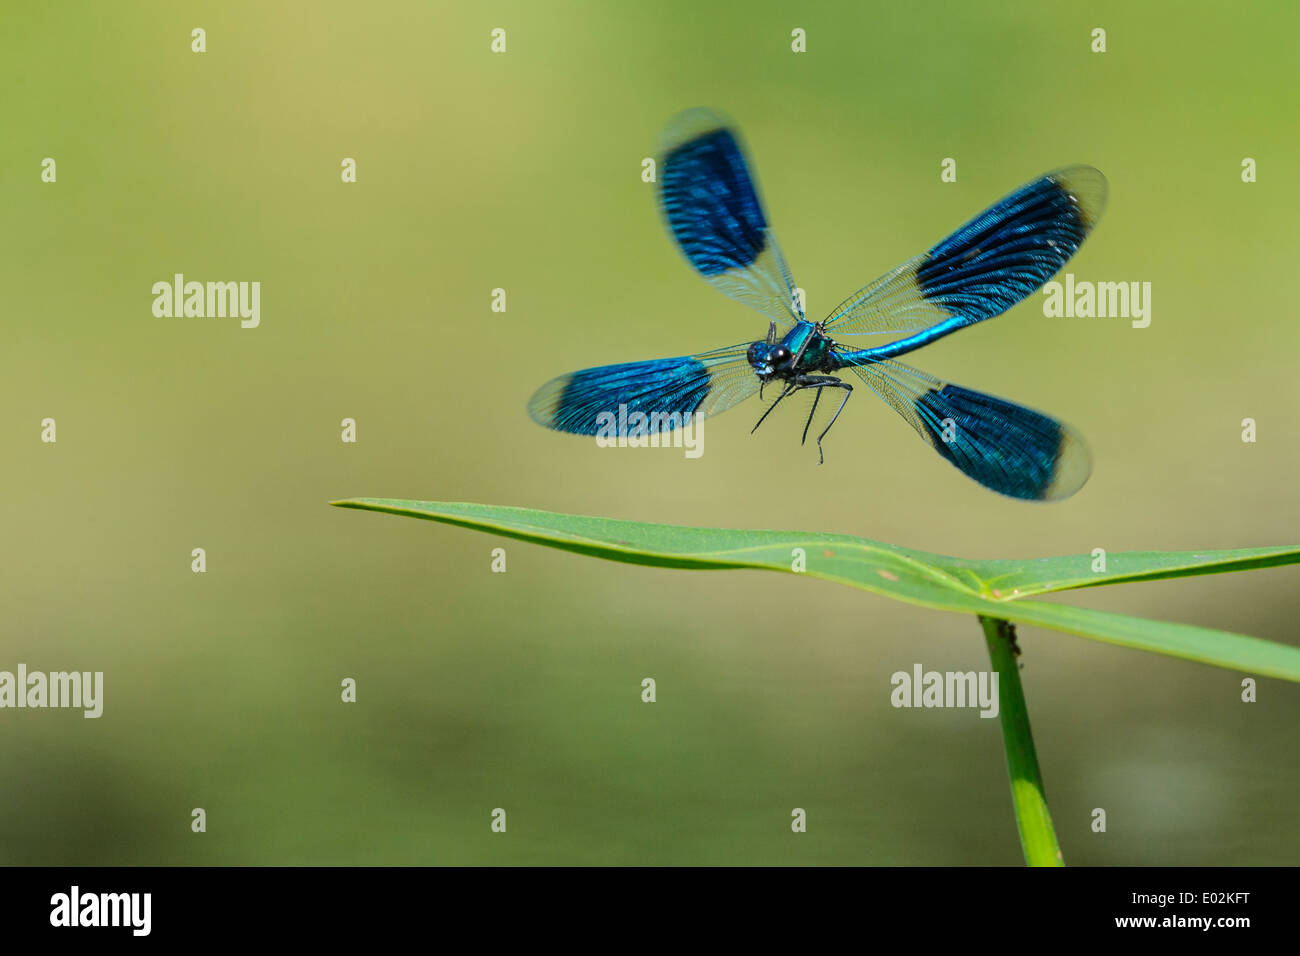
(767, 358)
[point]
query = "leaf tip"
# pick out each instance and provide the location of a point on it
(348, 503)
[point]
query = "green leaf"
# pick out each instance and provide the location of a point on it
(1044, 575)
(989, 588)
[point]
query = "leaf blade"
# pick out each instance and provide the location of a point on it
(916, 577)
(1048, 575)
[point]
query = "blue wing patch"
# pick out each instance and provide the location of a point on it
(984, 268)
(1008, 251)
(667, 391)
(710, 204)
(713, 211)
(1006, 447)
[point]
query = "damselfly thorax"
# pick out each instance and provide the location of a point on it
(805, 349)
(798, 361)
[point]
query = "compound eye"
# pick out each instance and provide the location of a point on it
(782, 354)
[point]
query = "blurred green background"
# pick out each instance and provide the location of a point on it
(522, 691)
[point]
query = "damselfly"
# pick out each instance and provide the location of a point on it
(711, 204)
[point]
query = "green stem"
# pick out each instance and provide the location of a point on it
(1037, 838)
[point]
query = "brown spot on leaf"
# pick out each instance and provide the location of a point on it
(887, 575)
